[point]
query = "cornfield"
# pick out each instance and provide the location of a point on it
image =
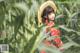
(19, 25)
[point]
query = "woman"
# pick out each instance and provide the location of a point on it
(46, 16)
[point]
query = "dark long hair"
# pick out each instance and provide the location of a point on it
(45, 13)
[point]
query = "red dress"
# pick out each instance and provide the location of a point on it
(57, 40)
(53, 32)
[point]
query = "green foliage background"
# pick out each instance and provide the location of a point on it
(19, 26)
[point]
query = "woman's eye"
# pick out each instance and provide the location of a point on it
(50, 13)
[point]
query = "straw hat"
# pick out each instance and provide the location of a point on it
(42, 7)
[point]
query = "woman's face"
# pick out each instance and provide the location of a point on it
(51, 16)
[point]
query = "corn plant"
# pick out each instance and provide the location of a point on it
(19, 25)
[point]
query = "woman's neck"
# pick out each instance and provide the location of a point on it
(50, 23)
